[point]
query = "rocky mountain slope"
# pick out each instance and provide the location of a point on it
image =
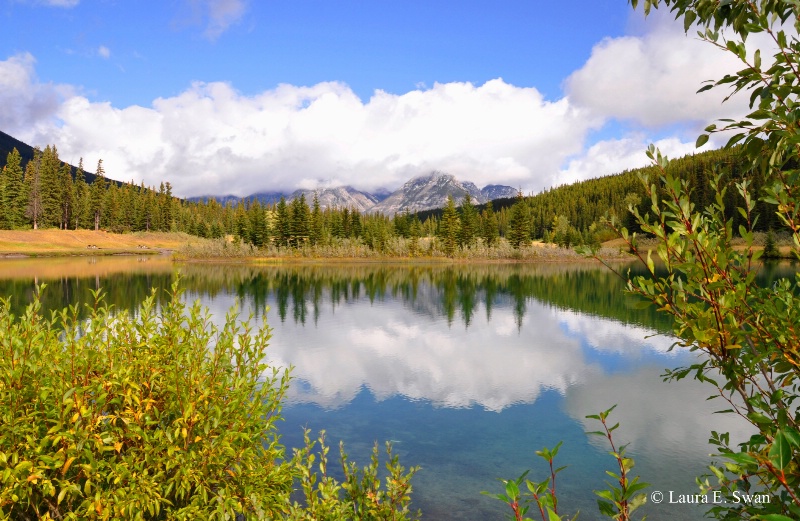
(425, 192)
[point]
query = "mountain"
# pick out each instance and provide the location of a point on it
(492, 192)
(429, 191)
(425, 192)
(341, 197)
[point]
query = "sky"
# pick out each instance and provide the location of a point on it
(243, 96)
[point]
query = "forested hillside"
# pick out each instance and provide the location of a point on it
(46, 192)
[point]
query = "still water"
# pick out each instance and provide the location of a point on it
(467, 370)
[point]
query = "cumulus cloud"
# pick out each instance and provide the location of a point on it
(27, 106)
(212, 139)
(652, 79)
(617, 155)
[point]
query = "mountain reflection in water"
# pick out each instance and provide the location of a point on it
(469, 369)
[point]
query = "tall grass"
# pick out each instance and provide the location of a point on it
(393, 248)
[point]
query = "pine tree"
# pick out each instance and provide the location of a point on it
(50, 189)
(469, 222)
(258, 232)
(449, 227)
(282, 224)
(33, 189)
(489, 228)
(414, 233)
(316, 221)
(356, 227)
(96, 196)
(519, 223)
(300, 220)
(771, 250)
(240, 221)
(13, 200)
(67, 196)
(81, 195)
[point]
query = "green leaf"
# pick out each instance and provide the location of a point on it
(702, 139)
(780, 454)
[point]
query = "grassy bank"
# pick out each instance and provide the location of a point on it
(396, 249)
(55, 243)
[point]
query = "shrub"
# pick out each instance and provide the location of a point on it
(159, 416)
(117, 417)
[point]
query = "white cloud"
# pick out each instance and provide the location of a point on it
(27, 107)
(212, 139)
(652, 79)
(104, 51)
(217, 15)
(617, 155)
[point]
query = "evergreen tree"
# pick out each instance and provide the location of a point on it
(240, 222)
(166, 200)
(96, 196)
(316, 221)
(300, 221)
(449, 227)
(282, 224)
(469, 222)
(414, 233)
(770, 247)
(258, 232)
(81, 195)
(519, 223)
(33, 189)
(355, 223)
(13, 200)
(50, 189)
(489, 227)
(67, 195)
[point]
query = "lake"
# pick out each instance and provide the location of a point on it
(466, 369)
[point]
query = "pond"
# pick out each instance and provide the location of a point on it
(466, 369)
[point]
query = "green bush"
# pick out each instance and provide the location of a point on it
(162, 416)
(158, 416)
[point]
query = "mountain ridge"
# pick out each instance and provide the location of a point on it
(424, 192)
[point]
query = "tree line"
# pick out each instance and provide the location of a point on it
(46, 194)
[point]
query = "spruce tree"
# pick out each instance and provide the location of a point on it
(282, 224)
(13, 200)
(300, 220)
(356, 228)
(771, 250)
(50, 189)
(96, 196)
(449, 227)
(67, 195)
(33, 189)
(258, 233)
(519, 223)
(489, 227)
(316, 221)
(81, 195)
(469, 222)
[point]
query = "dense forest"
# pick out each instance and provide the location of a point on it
(48, 193)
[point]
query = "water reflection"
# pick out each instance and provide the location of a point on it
(468, 368)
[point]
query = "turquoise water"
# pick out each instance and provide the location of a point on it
(466, 370)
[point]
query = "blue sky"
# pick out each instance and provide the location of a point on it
(238, 96)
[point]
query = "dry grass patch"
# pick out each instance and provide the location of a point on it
(78, 242)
